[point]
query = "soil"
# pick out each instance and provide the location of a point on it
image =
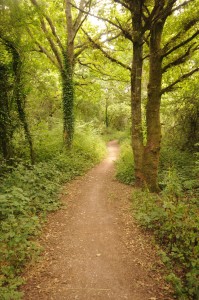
(93, 249)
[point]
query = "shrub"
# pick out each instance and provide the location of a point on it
(125, 164)
(175, 224)
(181, 162)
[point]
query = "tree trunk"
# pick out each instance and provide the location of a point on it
(136, 86)
(106, 113)
(68, 102)
(67, 79)
(19, 96)
(5, 125)
(152, 148)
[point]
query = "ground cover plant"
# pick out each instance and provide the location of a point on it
(124, 165)
(171, 216)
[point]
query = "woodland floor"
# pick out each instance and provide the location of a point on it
(93, 248)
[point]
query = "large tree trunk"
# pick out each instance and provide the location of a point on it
(136, 86)
(152, 148)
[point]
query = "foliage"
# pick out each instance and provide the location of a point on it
(180, 116)
(174, 222)
(125, 164)
(172, 216)
(27, 194)
(119, 115)
(110, 134)
(182, 164)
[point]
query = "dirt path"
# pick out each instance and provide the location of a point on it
(93, 249)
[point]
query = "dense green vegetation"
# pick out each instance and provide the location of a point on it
(172, 215)
(74, 73)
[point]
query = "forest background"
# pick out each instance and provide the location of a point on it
(75, 74)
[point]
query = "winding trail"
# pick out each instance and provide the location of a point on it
(92, 247)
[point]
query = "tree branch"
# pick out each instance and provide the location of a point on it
(43, 50)
(186, 27)
(125, 32)
(170, 87)
(54, 32)
(47, 35)
(97, 46)
(97, 17)
(52, 27)
(79, 21)
(122, 3)
(51, 42)
(167, 11)
(151, 17)
(183, 43)
(181, 59)
(98, 70)
(182, 5)
(81, 49)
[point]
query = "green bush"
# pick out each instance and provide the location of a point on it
(27, 194)
(110, 134)
(184, 164)
(174, 221)
(125, 164)
(172, 216)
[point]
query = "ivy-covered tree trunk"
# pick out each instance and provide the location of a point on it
(19, 97)
(68, 101)
(67, 78)
(152, 148)
(5, 124)
(62, 55)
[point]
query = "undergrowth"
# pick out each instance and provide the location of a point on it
(175, 224)
(172, 216)
(125, 164)
(27, 194)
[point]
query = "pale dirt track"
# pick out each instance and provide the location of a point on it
(93, 249)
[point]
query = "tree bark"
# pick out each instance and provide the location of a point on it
(68, 102)
(5, 124)
(67, 79)
(136, 87)
(106, 113)
(152, 148)
(19, 96)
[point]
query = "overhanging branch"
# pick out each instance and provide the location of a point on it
(181, 59)
(185, 3)
(170, 87)
(168, 46)
(94, 68)
(43, 49)
(107, 55)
